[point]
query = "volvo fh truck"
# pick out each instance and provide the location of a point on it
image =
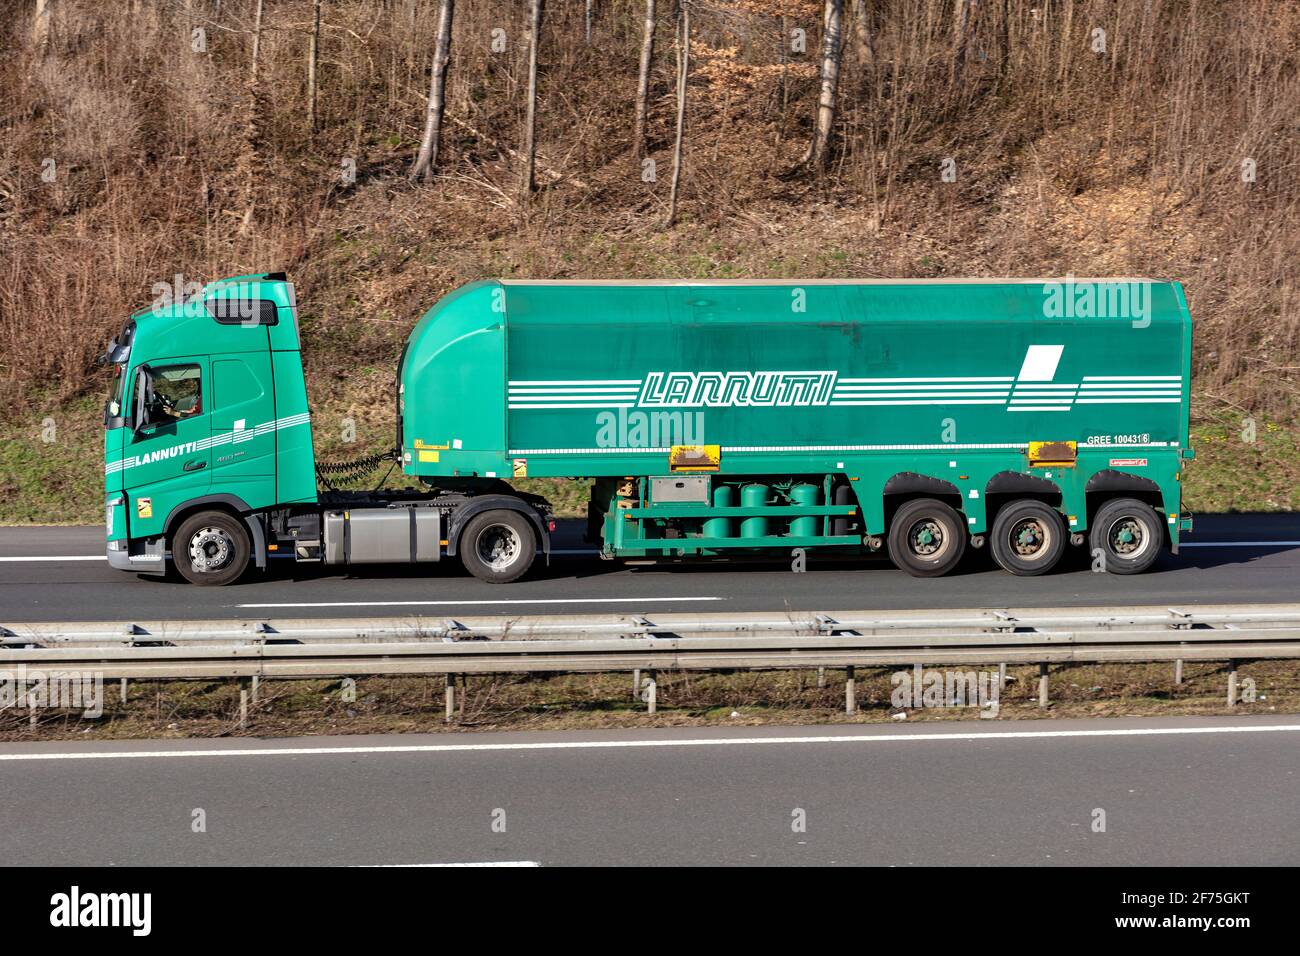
(709, 419)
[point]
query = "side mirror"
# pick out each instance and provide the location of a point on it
(140, 419)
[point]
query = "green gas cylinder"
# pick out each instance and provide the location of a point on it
(805, 526)
(724, 496)
(753, 496)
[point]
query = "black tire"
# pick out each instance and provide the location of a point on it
(498, 546)
(211, 548)
(1028, 537)
(927, 538)
(1128, 533)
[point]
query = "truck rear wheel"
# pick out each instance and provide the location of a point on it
(498, 546)
(1028, 538)
(211, 548)
(927, 538)
(1129, 535)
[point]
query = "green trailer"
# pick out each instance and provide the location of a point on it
(712, 420)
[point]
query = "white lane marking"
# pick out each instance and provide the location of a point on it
(590, 551)
(386, 866)
(58, 557)
(638, 744)
(1238, 544)
(648, 600)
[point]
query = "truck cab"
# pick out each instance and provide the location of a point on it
(209, 461)
(208, 413)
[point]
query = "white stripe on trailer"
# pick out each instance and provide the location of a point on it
(1129, 401)
(840, 385)
(1125, 393)
(1132, 378)
(574, 397)
(733, 449)
(907, 395)
(960, 401)
(576, 381)
(1039, 408)
(577, 405)
(948, 378)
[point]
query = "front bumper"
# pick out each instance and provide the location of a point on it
(146, 557)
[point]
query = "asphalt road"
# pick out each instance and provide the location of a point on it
(977, 793)
(1229, 560)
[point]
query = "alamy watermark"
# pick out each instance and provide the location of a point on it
(920, 688)
(52, 690)
(1098, 300)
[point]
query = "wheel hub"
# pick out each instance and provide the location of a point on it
(927, 538)
(1028, 537)
(210, 549)
(499, 547)
(1127, 536)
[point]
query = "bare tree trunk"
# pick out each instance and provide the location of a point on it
(819, 148)
(643, 81)
(961, 18)
(1004, 37)
(528, 180)
(257, 37)
(313, 55)
(863, 48)
(683, 71)
(41, 25)
(589, 13)
(248, 161)
(428, 158)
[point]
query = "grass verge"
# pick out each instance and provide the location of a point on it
(602, 701)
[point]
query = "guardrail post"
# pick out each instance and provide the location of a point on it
(254, 687)
(1042, 685)
(1006, 624)
(850, 691)
(636, 684)
(1232, 683)
(821, 678)
(1182, 620)
(123, 690)
(449, 699)
(243, 703)
(652, 691)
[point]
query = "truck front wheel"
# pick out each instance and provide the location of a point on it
(211, 548)
(498, 546)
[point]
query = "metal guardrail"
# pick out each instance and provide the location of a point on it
(341, 648)
(917, 624)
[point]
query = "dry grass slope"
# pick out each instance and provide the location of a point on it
(1174, 153)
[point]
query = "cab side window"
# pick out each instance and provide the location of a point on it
(172, 392)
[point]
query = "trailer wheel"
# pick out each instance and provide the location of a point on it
(1129, 535)
(498, 546)
(927, 538)
(211, 548)
(1028, 538)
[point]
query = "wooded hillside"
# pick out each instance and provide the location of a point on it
(384, 151)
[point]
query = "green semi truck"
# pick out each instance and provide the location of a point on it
(712, 420)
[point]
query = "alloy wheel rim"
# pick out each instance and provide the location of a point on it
(210, 549)
(499, 546)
